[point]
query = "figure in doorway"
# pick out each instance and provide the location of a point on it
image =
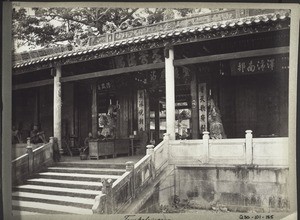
(16, 135)
(85, 148)
(37, 135)
(215, 123)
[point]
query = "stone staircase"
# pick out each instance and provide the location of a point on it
(65, 188)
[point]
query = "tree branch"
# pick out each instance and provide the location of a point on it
(128, 16)
(107, 10)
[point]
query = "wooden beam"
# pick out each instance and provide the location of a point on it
(114, 72)
(33, 84)
(230, 56)
(181, 62)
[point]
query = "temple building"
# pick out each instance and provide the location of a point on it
(203, 79)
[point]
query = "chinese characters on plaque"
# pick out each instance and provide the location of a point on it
(202, 107)
(255, 65)
(137, 58)
(141, 109)
(104, 85)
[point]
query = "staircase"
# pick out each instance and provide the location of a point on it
(65, 188)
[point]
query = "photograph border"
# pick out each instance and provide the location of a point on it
(7, 105)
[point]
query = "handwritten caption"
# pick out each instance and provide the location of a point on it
(136, 217)
(256, 216)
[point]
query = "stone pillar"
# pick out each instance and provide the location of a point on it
(29, 151)
(94, 111)
(248, 150)
(130, 168)
(107, 190)
(206, 145)
(157, 121)
(57, 103)
(166, 136)
(170, 92)
(150, 149)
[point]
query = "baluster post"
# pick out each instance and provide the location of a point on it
(150, 149)
(51, 141)
(107, 190)
(150, 152)
(206, 145)
(249, 147)
(130, 168)
(29, 151)
(166, 139)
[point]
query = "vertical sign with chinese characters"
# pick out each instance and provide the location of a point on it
(141, 109)
(202, 107)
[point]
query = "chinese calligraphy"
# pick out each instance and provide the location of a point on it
(138, 58)
(104, 86)
(202, 107)
(141, 109)
(254, 65)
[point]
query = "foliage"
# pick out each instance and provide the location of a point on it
(46, 27)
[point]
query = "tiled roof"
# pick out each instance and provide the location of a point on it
(156, 36)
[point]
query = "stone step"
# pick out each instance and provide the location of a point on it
(17, 212)
(110, 171)
(66, 183)
(91, 164)
(76, 176)
(83, 193)
(46, 208)
(54, 199)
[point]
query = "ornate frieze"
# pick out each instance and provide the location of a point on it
(194, 35)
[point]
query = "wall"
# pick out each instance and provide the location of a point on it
(83, 119)
(235, 188)
(67, 109)
(46, 110)
(24, 113)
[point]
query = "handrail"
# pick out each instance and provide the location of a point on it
(115, 197)
(19, 158)
(246, 151)
(33, 161)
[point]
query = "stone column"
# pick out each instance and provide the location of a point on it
(170, 92)
(57, 104)
(29, 151)
(157, 121)
(150, 149)
(206, 145)
(248, 150)
(107, 190)
(130, 168)
(94, 111)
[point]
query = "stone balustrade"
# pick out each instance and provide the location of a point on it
(33, 161)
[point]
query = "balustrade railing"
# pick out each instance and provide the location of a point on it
(31, 162)
(237, 151)
(115, 197)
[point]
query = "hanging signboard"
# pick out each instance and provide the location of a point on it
(105, 85)
(202, 107)
(138, 58)
(255, 65)
(141, 109)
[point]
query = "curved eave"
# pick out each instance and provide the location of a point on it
(158, 36)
